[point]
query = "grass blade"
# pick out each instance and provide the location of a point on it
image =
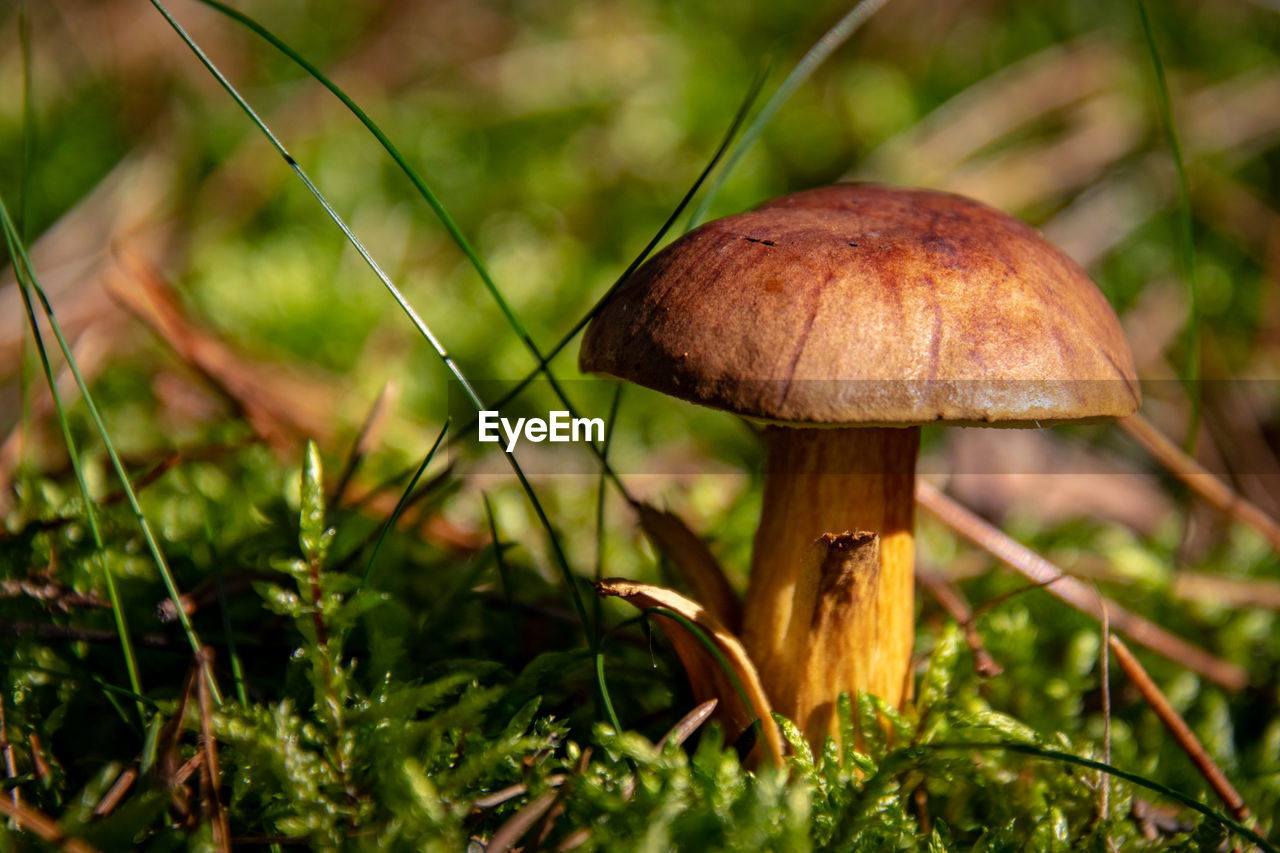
(122, 626)
(600, 495)
(821, 50)
(152, 545)
(419, 184)
(1186, 241)
(400, 505)
(1089, 764)
(419, 324)
(730, 132)
(456, 233)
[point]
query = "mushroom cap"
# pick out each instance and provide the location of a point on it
(861, 304)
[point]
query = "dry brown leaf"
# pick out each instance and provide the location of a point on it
(708, 678)
(697, 565)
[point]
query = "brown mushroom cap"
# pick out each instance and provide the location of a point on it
(865, 304)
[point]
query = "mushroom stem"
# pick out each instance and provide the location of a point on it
(833, 480)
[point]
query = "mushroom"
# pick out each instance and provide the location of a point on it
(842, 319)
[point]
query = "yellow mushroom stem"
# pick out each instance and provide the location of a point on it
(836, 480)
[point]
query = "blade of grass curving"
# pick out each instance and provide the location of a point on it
(504, 574)
(152, 545)
(400, 505)
(1186, 241)
(419, 184)
(816, 55)
(600, 495)
(711, 647)
(1089, 764)
(730, 132)
(561, 559)
(447, 221)
(91, 517)
(604, 692)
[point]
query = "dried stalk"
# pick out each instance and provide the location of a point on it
(1180, 730)
(697, 565)
(953, 601)
(1209, 486)
(1030, 564)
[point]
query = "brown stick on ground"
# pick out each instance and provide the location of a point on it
(953, 601)
(1027, 562)
(1179, 729)
(40, 824)
(1200, 480)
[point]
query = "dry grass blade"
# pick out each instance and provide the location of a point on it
(707, 676)
(169, 767)
(1030, 564)
(40, 824)
(116, 792)
(957, 607)
(697, 565)
(996, 106)
(10, 765)
(1228, 591)
(521, 822)
(1179, 729)
(209, 777)
(1202, 482)
(689, 723)
(497, 798)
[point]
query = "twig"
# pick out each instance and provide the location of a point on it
(1227, 590)
(116, 792)
(1027, 562)
(1180, 730)
(39, 767)
(46, 631)
(520, 822)
(1200, 480)
(209, 779)
(206, 593)
(499, 797)
(44, 826)
(957, 607)
(10, 765)
(50, 592)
